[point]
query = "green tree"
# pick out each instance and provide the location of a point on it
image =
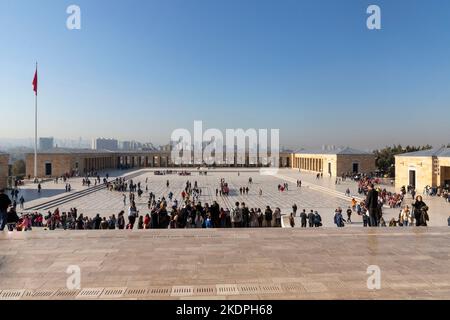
(385, 158)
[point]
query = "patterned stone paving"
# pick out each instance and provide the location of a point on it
(322, 195)
(227, 264)
(107, 203)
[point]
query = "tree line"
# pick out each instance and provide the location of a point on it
(385, 158)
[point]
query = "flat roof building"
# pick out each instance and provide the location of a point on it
(60, 161)
(423, 168)
(334, 162)
(105, 144)
(46, 143)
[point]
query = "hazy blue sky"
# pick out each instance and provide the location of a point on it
(139, 69)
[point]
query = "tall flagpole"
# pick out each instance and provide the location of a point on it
(35, 132)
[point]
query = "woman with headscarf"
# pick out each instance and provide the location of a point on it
(420, 211)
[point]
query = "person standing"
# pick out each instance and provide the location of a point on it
(104, 224)
(413, 193)
(372, 205)
(277, 214)
(420, 212)
(404, 216)
(21, 201)
(5, 202)
(245, 216)
(294, 210)
(236, 216)
(365, 219)
(97, 222)
(311, 219)
(303, 218)
(339, 219)
(132, 215)
(317, 220)
(268, 214)
(349, 215)
(292, 221)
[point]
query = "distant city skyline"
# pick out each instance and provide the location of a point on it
(309, 68)
(13, 143)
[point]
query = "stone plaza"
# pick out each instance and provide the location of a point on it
(266, 263)
(323, 195)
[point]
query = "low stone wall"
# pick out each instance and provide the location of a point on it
(4, 159)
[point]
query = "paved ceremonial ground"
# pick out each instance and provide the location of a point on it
(227, 264)
(322, 195)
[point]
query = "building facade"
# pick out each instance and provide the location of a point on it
(105, 144)
(336, 162)
(46, 143)
(59, 162)
(4, 170)
(423, 168)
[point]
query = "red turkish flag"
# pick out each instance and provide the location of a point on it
(35, 82)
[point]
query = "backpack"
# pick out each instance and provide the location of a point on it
(317, 219)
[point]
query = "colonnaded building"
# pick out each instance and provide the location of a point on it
(4, 168)
(423, 168)
(58, 162)
(334, 162)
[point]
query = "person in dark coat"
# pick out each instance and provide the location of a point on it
(5, 202)
(12, 218)
(420, 212)
(303, 218)
(317, 220)
(372, 205)
(311, 219)
(121, 221)
(215, 214)
(97, 221)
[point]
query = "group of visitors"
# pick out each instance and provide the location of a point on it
(10, 218)
(224, 190)
(283, 187)
(437, 192)
(15, 197)
(312, 219)
(191, 213)
(371, 210)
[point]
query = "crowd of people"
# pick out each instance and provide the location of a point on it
(190, 212)
(371, 209)
(437, 192)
